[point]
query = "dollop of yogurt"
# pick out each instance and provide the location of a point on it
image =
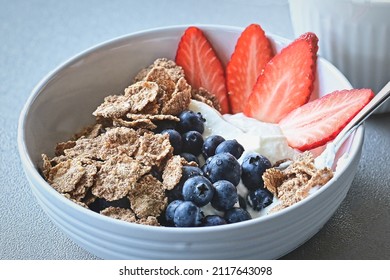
(264, 138)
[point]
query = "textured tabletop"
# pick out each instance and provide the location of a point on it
(38, 35)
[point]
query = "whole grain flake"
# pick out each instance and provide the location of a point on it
(147, 197)
(173, 172)
(180, 99)
(64, 176)
(294, 183)
(119, 213)
(142, 94)
(161, 77)
(114, 106)
(154, 149)
(117, 176)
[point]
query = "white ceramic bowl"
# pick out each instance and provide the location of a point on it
(62, 103)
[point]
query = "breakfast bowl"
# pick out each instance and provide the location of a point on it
(62, 104)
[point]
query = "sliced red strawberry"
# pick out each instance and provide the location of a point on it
(251, 54)
(319, 121)
(286, 82)
(201, 65)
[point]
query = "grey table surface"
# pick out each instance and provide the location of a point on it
(38, 35)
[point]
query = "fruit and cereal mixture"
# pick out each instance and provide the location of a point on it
(148, 159)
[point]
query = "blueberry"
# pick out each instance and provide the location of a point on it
(210, 144)
(223, 166)
(190, 120)
(213, 220)
(170, 211)
(190, 171)
(187, 214)
(163, 125)
(253, 167)
(230, 146)
(100, 204)
(190, 157)
(174, 139)
(225, 195)
(192, 142)
(236, 215)
(187, 172)
(199, 190)
(259, 199)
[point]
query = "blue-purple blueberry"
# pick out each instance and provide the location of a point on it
(223, 166)
(213, 220)
(192, 142)
(189, 120)
(253, 166)
(259, 199)
(225, 195)
(232, 147)
(199, 190)
(187, 214)
(210, 144)
(236, 215)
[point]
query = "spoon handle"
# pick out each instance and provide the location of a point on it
(377, 101)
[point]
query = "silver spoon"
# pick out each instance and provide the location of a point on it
(327, 157)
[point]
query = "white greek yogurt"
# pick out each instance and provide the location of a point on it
(264, 138)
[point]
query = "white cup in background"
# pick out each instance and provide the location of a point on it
(353, 34)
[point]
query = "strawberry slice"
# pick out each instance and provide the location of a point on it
(319, 121)
(201, 65)
(251, 54)
(286, 82)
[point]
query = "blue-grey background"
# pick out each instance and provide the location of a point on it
(38, 35)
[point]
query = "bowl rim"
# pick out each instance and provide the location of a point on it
(29, 166)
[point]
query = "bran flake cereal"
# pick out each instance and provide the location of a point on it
(62, 146)
(128, 215)
(117, 176)
(86, 181)
(161, 77)
(119, 213)
(138, 123)
(153, 149)
(114, 106)
(142, 94)
(180, 100)
(173, 172)
(147, 197)
(157, 117)
(294, 183)
(174, 71)
(202, 95)
(114, 157)
(64, 176)
(90, 132)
